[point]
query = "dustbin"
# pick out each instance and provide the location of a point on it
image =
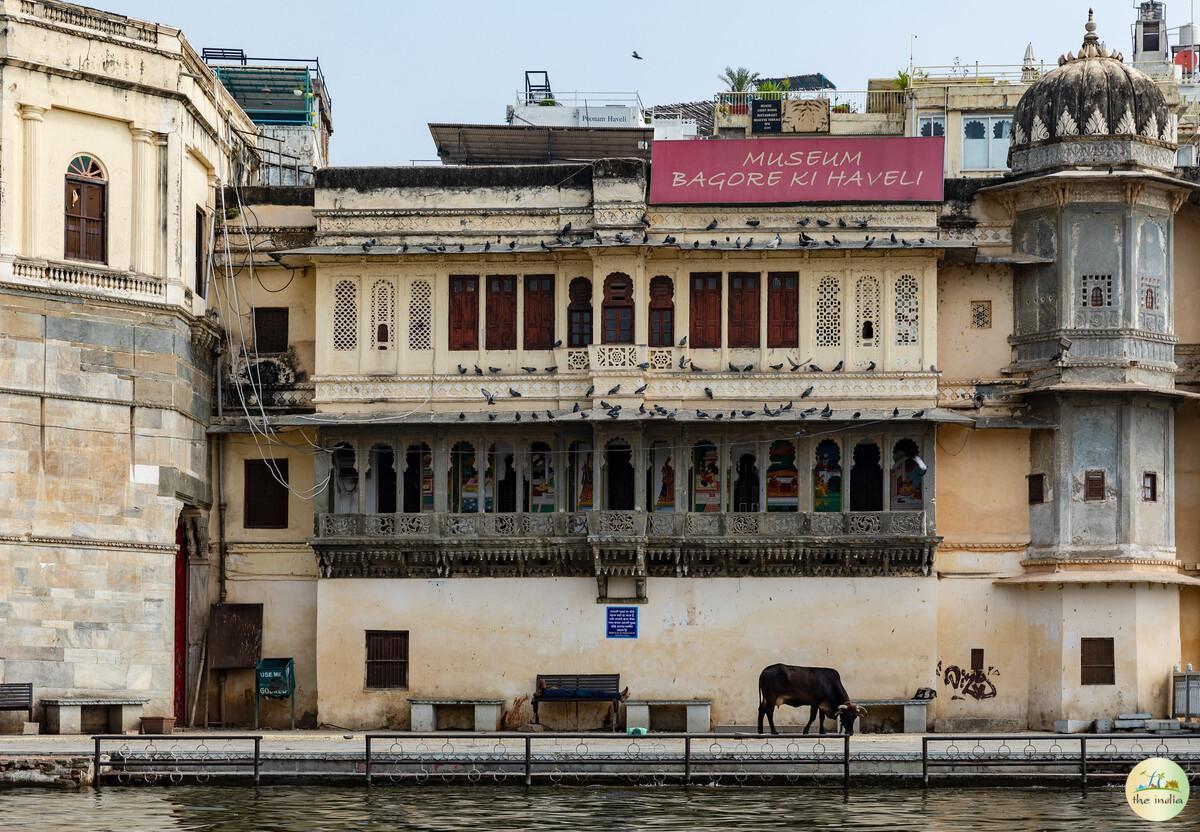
(275, 679)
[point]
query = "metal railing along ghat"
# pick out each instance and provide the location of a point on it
(522, 754)
(150, 761)
(1042, 750)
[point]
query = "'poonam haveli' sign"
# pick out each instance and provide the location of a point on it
(850, 169)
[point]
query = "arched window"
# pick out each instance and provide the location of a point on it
(827, 476)
(86, 211)
(662, 311)
(418, 478)
(579, 313)
(744, 491)
(866, 478)
(464, 479)
(908, 476)
(381, 479)
(383, 305)
(1097, 296)
(345, 315)
(539, 479)
(580, 477)
(783, 478)
(500, 479)
(660, 476)
(617, 312)
(1148, 299)
(706, 477)
(618, 475)
(344, 491)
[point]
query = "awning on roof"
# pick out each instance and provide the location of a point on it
(504, 144)
(1100, 576)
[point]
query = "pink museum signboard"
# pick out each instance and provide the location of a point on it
(851, 169)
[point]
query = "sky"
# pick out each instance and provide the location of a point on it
(392, 67)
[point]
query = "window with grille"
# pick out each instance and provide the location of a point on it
(464, 312)
(265, 494)
(743, 309)
(345, 315)
(829, 312)
(866, 309)
(705, 310)
(539, 311)
(1093, 485)
(617, 311)
(662, 312)
(908, 310)
(383, 306)
(420, 316)
(981, 314)
(85, 223)
(783, 301)
(270, 329)
(1097, 662)
(387, 658)
(1150, 486)
(1037, 488)
(1096, 291)
(579, 313)
(501, 312)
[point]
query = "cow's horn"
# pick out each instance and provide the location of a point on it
(860, 710)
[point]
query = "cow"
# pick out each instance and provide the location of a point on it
(820, 687)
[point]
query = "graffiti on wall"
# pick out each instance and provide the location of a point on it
(975, 683)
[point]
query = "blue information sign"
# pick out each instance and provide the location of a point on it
(622, 622)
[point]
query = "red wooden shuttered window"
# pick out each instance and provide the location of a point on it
(617, 311)
(662, 312)
(1093, 485)
(579, 313)
(783, 301)
(705, 330)
(501, 312)
(743, 309)
(387, 658)
(539, 311)
(265, 493)
(464, 312)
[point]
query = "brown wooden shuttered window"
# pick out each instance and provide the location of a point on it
(617, 311)
(705, 329)
(1097, 662)
(464, 312)
(662, 312)
(85, 221)
(265, 493)
(579, 313)
(387, 658)
(539, 311)
(783, 301)
(743, 309)
(1093, 485)
(270, 329)
(501, 312)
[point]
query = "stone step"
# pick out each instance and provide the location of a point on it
(1135, 716)
(1157, 725)
(1127, 724)
(1072, 726)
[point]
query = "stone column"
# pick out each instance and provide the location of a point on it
(31, 176)
(141, 236)
(764, 448)
(441, 473)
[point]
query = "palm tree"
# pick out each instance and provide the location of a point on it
(738, 80)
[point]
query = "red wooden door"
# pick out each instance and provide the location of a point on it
(464, 312)
(743, 309)
(705, 329)
(782, 309)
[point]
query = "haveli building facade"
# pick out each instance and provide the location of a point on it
(463, 410)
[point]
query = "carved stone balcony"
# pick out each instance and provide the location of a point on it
(630, 543)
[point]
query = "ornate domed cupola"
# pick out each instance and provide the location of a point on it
(1092, 110)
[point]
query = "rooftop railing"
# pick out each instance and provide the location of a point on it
(580, 98)
(840, 101)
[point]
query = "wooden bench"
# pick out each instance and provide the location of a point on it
(65, 716)
(699, 713)
(915, 719)
(578, 687)
(17, 696)
(423, 713)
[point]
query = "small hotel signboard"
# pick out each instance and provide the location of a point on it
(766, 116)
(746, 171)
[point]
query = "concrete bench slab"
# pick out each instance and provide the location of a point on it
(915, 711)
(423, 713)
(65, 715)
(699, 713)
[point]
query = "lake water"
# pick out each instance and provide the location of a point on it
(568, 809)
